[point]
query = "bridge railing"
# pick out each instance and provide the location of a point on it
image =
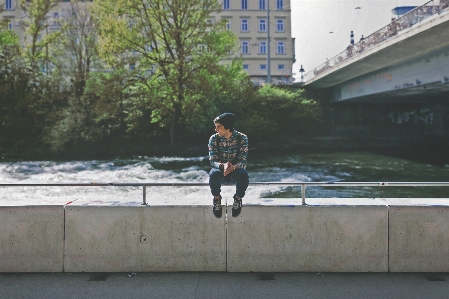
(404, 22)
(303, 185)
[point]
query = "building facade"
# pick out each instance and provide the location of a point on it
(12, 12)
(15, 14)
(263, 28)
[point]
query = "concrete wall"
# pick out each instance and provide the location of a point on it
(432, 68)
(32, 239)
(419, 238)
(321, 238)
(309, 239)
(144, 239)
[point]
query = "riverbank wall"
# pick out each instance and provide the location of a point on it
(366, 235)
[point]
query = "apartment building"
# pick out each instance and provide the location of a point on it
(264, 34)
(14, 13)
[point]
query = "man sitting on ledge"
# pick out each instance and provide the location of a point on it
(228, 151)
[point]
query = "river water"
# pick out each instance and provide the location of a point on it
(325, 166)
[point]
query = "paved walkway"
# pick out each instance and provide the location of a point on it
(225, 285)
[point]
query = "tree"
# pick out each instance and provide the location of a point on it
(79, 69)
(7, 36)
(76, 54)
(37, 37)
(175, 44)
(24, 101)
(273, 113)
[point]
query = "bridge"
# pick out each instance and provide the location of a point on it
(406, 61)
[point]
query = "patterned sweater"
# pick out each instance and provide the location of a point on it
(227, 150)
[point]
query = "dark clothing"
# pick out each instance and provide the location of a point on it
(239, 177)
(227, 150)
(222, 150)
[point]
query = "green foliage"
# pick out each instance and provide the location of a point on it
(174, 41)
(76, 54)
(36, 25)
(8, 38)
(27, 99)
(274, 113)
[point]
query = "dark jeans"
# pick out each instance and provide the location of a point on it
(239, 177)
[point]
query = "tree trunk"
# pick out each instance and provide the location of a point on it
(172, 128)
(173, 120)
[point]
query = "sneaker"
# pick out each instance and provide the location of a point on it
(216, 208)
(237, 206)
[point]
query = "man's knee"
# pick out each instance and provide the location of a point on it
(215, 174)
(241, 174)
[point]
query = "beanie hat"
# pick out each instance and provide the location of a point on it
(226, 119)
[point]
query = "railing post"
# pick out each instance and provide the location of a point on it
(303, 194)
(144, 195)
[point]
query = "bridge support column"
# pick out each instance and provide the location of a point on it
(438, 119)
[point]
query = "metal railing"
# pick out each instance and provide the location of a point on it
(303, 185)
(404, 22)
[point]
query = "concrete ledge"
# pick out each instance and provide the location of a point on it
(419, 239)
(31, 239)
(305, 239)
(373, 235)
(144, 239)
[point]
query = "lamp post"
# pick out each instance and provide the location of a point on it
(269, 45)
(301, 70)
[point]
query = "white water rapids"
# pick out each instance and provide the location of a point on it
(306, 167)
(136, 170)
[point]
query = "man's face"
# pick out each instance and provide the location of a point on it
(219, 128)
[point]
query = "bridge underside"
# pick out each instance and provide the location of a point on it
(421, 79)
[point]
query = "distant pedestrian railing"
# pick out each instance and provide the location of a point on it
(404, 22)
(303, 185)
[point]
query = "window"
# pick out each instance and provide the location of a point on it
(244, 4)
(262, 5)
(263, 67)
(226, 4)
(262, 25)
(280, 25)
(229, 49)
(280, 48)
(228, 24)
(281, 67)
(244, 25)
(10, 23)
(149, 48)
(245, 47)
(279, 4)
(55, 18)
(132, 66)
(263, 48)
(8, 4)
(202, 49)
(246, 67)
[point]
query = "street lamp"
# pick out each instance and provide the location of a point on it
(301, 70)
(269, 44)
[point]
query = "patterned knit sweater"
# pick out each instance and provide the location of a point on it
(227, 150)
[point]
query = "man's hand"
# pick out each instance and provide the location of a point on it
(228, 168)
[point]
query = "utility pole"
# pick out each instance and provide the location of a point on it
(269, 45)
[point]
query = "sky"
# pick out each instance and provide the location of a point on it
(322, 28)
